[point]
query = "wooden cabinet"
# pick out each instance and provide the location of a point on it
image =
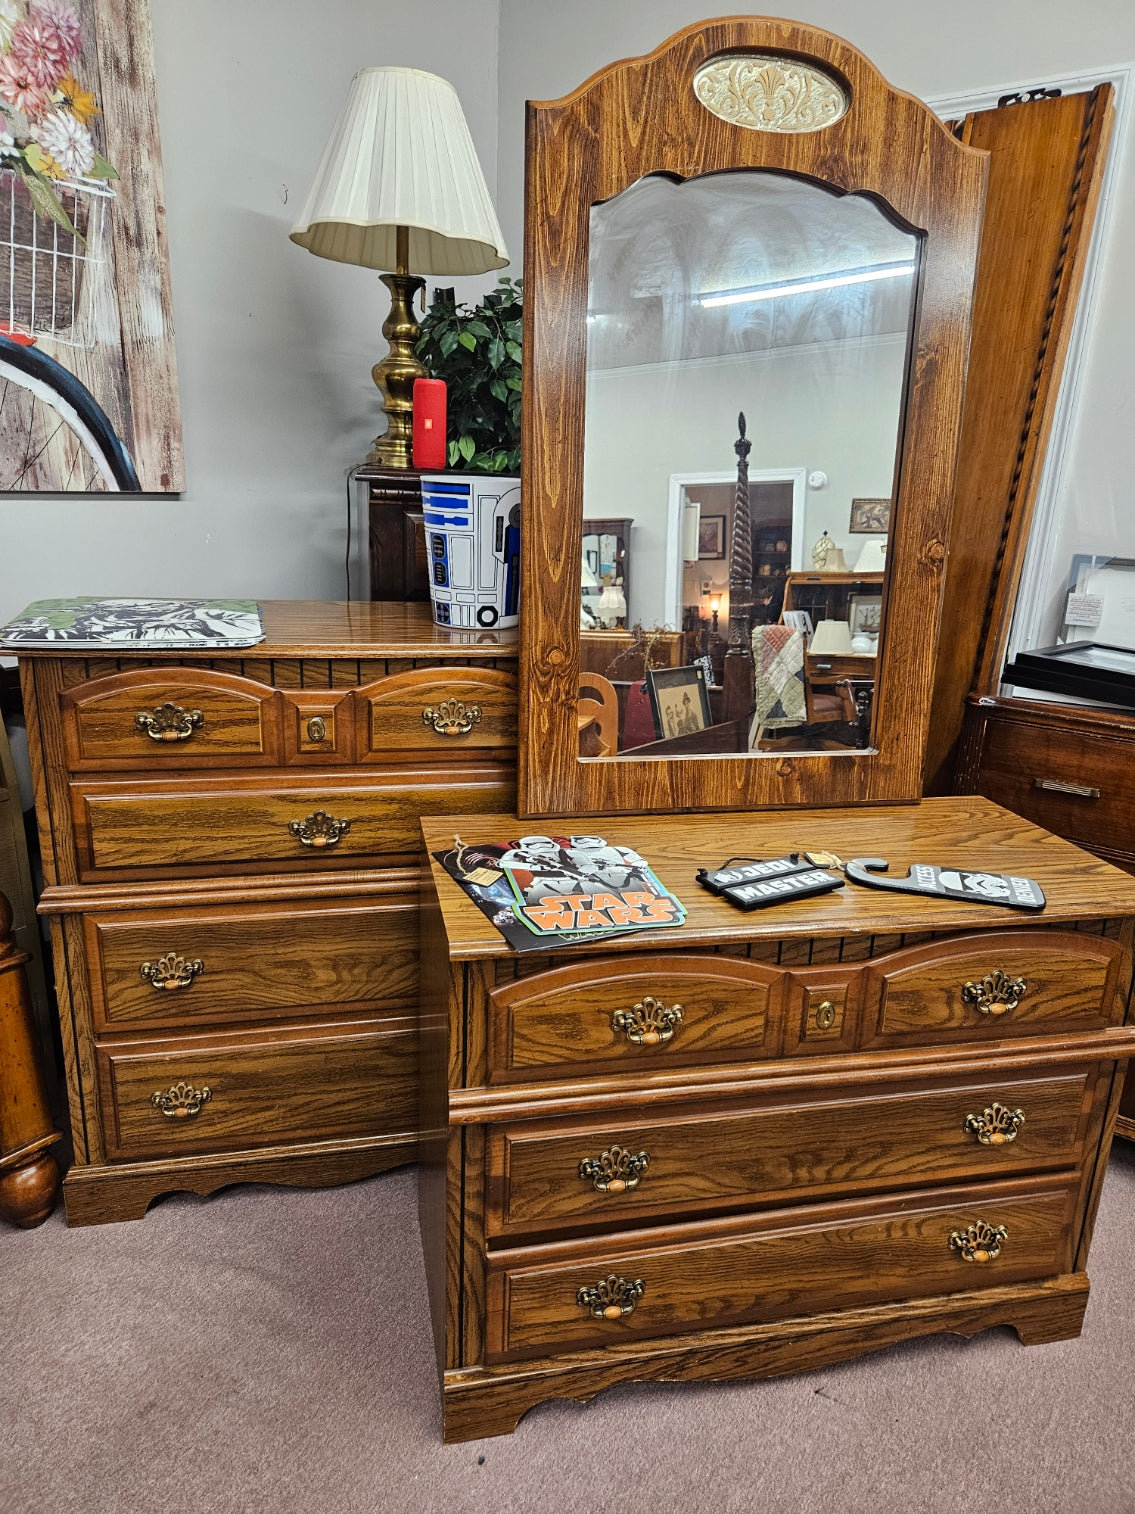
(863, 1117)
(1069, 768)
(231, 850)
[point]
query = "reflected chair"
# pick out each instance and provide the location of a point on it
(598, 705)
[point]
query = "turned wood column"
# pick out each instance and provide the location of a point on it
(29, 1174)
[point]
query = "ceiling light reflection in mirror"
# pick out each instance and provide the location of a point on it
(767, 294)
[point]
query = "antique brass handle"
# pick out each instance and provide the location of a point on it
(980, 1242)
(615, 1170)
(649, 1023)
(452, 717)
(169, 722)
(172, 971)
(995, 994)
(319, 829)
(181, 1102)
(825, 1015)
(996, 1125)
(611, 1297)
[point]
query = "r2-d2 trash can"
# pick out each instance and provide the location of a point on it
(473, 547)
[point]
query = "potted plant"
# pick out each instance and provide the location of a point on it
(472, 511)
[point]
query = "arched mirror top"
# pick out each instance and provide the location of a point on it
(736, 126)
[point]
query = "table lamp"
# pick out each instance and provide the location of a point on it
(399, 188)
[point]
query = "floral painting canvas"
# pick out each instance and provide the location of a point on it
(88, 379)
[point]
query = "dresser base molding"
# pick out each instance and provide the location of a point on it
(492, 1401)
(96, 1195)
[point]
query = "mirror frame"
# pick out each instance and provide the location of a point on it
(638, 117)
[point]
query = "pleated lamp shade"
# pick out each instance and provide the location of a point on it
(400, 154)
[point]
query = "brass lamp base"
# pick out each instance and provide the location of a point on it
(396, 373)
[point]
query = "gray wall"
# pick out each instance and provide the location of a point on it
(275, 346)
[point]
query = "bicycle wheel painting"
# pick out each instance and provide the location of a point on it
(88, 377)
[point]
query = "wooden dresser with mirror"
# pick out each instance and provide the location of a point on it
(760, 1142)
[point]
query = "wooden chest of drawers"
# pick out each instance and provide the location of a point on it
(231, 848)
(842, 1141)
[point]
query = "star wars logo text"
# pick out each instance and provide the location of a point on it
(560, 912)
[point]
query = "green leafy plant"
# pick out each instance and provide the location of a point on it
(476, 350)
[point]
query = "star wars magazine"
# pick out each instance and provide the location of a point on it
(548, 891)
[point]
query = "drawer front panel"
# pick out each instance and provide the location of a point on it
(169, 968)
(1042, 772)
(1002, 983)
(642, 1013)
(187, 718)
(786, 1264)
(166, 830)
(738, 1159)
(350, 1080)
(439, 712)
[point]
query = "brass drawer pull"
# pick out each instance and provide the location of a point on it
(319, 829)
(172, 971)
(996, 1125)
(1058, 786)
(611, 1297)
(181, 1102)
(980, 1242)
(996, 993)
(649, 1023)
(615, 1170)
(169, 722)
(452, 717)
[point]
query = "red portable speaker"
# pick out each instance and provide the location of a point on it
(429, 424)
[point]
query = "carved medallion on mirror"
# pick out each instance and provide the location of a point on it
(751, 223)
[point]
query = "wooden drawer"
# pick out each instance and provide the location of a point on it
(185, 718)
(157, 969)
(437, 712)
(743, 1157)
(287, 1085)
(776, 1266)
(993, 984)
(1017, 756)
(636, 1013)
(193, 827)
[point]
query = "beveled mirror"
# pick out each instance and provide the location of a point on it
(748, 266)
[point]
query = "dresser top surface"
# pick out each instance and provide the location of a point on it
(336, 628)
(966, 832)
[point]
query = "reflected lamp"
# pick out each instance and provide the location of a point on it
(400, 189)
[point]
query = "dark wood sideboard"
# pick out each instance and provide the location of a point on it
(232, 886)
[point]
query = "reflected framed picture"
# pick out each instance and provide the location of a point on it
(711, 537)
(870, 516)
(679, 700)
(865, 614)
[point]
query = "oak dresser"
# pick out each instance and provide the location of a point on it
(231, 854)
(764, 1142)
